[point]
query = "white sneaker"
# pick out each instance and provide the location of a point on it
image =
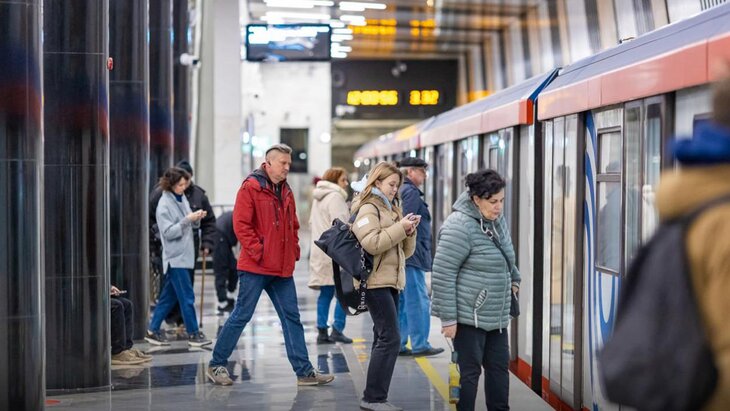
(379, 406)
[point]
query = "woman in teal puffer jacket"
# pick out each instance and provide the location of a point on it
(472, 282)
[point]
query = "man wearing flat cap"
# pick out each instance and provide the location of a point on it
(414, 311)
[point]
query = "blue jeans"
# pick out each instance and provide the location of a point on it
(326, 292)
(283, 294)
(177, 288)
(414, 311)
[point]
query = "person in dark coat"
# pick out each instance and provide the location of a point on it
(414, 306)
(204, 239)
(224, 263)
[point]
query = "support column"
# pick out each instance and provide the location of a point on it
(181, 81)
(160, 69)
(76, 193)
(129, 155)
(22, 374)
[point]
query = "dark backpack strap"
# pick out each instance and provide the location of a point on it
(687, 220)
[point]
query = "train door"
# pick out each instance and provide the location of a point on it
(645, 135)
(444, 182)
(467, 153)
(497, 155)
(524, 247)
(562, 309)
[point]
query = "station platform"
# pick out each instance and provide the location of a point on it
(263, 378)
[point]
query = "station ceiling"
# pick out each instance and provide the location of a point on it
(397, 28)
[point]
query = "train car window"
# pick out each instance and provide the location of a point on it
(610, 152)
(570, 231)
(547, 331)
(608, 227)
(558, 227)
(468, 160)
(632, 145)
(652, 169)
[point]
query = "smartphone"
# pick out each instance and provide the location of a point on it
(122, 292)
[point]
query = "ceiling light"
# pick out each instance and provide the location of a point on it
(289, 15)
(341, 37)
(337, 24)
(338, 55)
(360, 6)
(299, 4)
(353, 19)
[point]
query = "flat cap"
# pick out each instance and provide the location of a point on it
(412, 162)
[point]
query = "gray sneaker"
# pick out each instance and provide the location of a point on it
(315, 378)
(379, 406)
(219, 375)
(198, 340)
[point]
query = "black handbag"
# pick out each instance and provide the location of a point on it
(349, 260)
(514, 306)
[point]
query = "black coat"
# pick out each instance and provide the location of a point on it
(413, 203)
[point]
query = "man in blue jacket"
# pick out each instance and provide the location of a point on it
(414, 311)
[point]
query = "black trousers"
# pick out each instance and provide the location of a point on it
(122, 324)
(226, 274)
(383, 307)
(479, 349)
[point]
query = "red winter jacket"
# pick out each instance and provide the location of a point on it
(266, 227)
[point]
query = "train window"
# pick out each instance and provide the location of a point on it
(610, 152)
(468, 162)
(643, 125)
(607, 231)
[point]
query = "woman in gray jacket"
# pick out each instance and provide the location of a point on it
(176, 223)
(472, 281)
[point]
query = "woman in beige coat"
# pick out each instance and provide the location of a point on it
(390, 238)
(329, 201)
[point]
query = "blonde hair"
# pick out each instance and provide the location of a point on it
(381, 171)
(334, 174)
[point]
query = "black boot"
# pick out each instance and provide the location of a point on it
(337, 336)
(322, 337)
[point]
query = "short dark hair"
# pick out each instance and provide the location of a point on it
(484, 183)
(172, 176)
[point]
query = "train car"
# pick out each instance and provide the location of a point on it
(582, 150)
(607, 121)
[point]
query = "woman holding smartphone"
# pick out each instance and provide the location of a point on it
(176, 222)
(390, 238)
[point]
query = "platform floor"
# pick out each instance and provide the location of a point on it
(175, 379)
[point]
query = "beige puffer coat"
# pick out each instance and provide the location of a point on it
(328, 203)
(380, 233)
(708, 250)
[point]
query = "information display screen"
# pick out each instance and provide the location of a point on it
(288, 42)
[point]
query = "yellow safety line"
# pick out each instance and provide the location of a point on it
(441, 386)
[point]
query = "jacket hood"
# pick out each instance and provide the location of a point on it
(263, 179)
(324, 188)
(466, 206)
(682, 191)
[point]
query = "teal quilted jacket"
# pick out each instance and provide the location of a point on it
(471, 280)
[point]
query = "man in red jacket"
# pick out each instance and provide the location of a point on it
(266, 225)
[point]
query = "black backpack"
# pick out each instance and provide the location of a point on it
(658, 357)
(349, 260)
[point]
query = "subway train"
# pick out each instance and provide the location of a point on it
(581, 149)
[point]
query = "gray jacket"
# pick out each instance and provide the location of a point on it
(176, 232)
(467, 264)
